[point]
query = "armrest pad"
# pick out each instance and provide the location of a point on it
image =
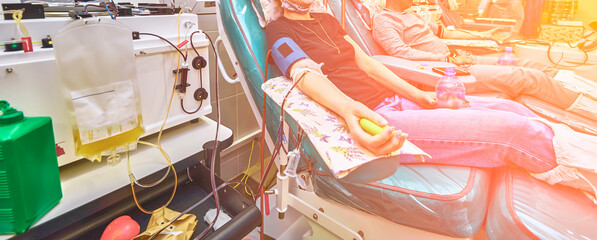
(331, 139)
(413, 71)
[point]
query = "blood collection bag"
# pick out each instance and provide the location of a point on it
(96, 64)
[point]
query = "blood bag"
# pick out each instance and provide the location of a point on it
(96, 64)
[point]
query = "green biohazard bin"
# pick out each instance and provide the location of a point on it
(29, 177)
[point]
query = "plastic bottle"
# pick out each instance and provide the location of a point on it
(508, 58)
(450, 91)
(29, 176)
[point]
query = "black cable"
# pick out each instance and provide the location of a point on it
(562, 57)
(184, 57)
(200, 86)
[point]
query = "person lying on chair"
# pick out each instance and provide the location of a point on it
(405, 35)
(489, 133)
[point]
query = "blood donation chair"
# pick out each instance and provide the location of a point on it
(359, 29)
(418, 201)
(521, 207)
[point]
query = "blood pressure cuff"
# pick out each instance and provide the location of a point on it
(285, 53)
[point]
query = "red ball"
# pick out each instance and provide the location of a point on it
(121, 228)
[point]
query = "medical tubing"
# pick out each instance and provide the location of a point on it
(277, 146)
(184, 57)
(131, 177)
(186, 211)
(193, 46)
(278, 143)
(159, 145)
(296, 144)
(200, 86)
(213, 154)
(187, 112)
(200, 76)
(17, 15)
(260, 189)
(134, 179)
(262, 146)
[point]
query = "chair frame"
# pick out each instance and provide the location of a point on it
(328, 219)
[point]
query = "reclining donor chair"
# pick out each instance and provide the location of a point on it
(358, 27)
(416, 201)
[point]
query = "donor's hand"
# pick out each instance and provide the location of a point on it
(426, 99)
(462, 60)
(383, 143)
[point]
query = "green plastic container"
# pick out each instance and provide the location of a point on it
(29, 177)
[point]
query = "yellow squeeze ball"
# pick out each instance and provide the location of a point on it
(370, 127)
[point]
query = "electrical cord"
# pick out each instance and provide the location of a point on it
(109, 12)
(586, 58)
(249, 169)
(39, 42)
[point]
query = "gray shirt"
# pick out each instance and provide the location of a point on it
(407, 36)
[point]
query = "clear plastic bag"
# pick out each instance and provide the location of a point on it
(96, 63)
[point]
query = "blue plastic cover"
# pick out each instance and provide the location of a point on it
(446, 200)
(523, 207)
